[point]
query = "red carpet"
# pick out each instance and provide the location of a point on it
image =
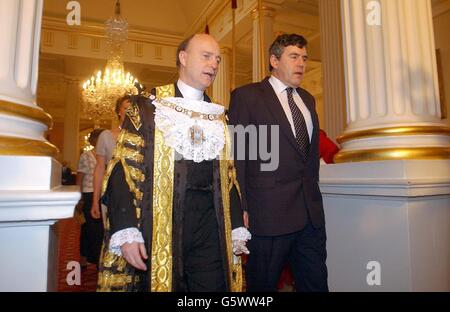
(69, 246)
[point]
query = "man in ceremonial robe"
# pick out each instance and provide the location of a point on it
(174, 219)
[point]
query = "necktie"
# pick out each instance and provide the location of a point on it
(301, 131)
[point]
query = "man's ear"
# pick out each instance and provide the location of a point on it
(182, 56)
(274, 61)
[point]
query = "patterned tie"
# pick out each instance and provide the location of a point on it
(301, 131)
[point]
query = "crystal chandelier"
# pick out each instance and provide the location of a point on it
(101, 91)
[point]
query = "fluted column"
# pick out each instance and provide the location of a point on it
(222, 83)
(72, 122)
(393, 109)
(262, 30)
(22, 123)
(31, 196)
(332, 67)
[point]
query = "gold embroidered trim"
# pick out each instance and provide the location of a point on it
(162, 215)
(163, 172)
(130, 181)
(165, 91)
(133, 113)
(138, 212)
(108, 280)
(130, 138)
(136, 174)
(111, 259)
(132, 174)
(109, 169)
(146, 94)
(129, 171)
(125, 152)
(227, 182)
(232, 176)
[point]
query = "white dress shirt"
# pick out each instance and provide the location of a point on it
(189, 92)
(280, 90)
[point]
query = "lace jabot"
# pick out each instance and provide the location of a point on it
(194, 129)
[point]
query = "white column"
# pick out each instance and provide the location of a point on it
(393, 109)
(20, 24)
(261, 49)
(387, 201)
(72, 122)
(222, 83)
(19, 63)
(31, 199)
(332, 67)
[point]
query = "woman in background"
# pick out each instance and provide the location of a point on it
(91, 234)
(104, 151)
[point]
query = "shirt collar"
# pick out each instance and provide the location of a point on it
(278, 85)
(189, 92)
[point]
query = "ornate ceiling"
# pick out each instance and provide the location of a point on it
(155, 29)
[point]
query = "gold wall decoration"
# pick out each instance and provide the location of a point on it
(12, 146)
(72, 41)
(394, 131)
(393, 154)
(23, 111)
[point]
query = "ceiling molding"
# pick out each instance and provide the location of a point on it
(209, 12)
(220, 22)
(98, 30)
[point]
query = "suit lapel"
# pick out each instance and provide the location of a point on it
(274, 105)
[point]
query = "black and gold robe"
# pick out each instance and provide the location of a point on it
(144, 187)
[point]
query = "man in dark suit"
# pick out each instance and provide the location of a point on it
(283, 206)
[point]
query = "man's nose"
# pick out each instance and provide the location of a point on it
(214, 64)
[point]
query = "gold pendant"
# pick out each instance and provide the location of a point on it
(197, 136)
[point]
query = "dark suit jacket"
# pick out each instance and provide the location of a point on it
(278, 202)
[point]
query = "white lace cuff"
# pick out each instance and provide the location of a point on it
(121, 237)
(241, 234)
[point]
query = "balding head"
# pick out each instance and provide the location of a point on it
(198, 59)
(184, 45)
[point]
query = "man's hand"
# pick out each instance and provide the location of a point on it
(95, 210)
(135, 253)
(239, 247)
(246, 219)
(240, 237)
